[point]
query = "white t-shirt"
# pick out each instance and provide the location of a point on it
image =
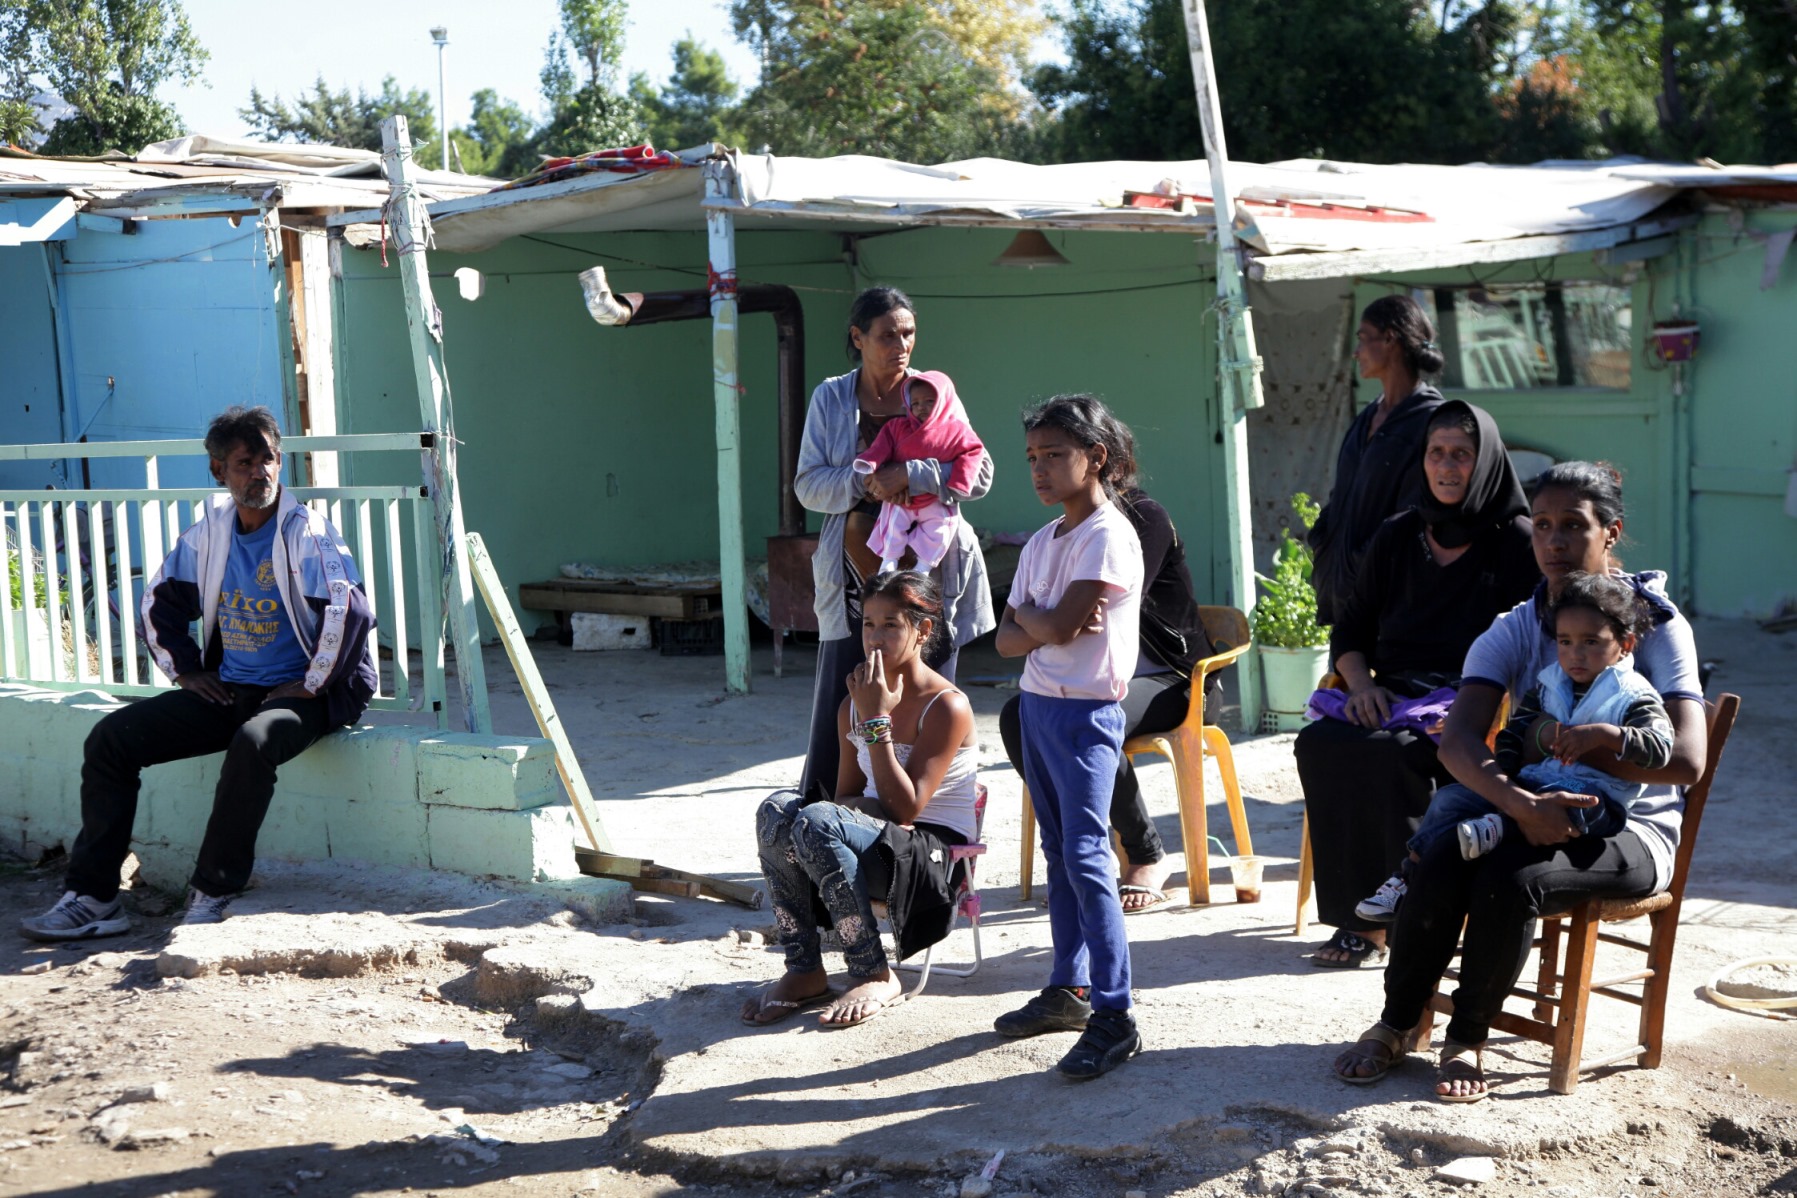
(1102, 548)
(1517, 647)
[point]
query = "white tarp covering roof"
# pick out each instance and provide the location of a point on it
(188, 169)
(1296, 208)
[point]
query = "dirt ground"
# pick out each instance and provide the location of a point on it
(374, 1031)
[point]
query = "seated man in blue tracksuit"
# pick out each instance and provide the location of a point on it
(287, 657)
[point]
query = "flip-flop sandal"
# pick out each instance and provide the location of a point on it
(1455, 1067)
(879, 1004)
(1395, 1045)
(785, 1007)
(1362, 953)
(1156, 898)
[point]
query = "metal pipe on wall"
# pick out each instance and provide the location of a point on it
(617, 308)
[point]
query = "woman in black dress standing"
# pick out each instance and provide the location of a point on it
(1376, 472)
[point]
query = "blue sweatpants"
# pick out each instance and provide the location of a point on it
(1070, 752)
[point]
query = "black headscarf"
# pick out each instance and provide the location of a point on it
(1493, 494)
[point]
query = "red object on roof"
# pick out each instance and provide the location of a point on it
(623, 160)
(1306, 211)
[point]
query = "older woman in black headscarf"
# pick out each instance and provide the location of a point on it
(1431, 580)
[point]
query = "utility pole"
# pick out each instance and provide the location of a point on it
(440, 35)
(1238, 365)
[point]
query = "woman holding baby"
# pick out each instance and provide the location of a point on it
(909, 502)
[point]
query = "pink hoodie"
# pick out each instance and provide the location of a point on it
(946, 436)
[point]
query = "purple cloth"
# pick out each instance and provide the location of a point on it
(1418, 715)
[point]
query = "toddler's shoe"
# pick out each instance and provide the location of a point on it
(1480, 836)
(1382, 907)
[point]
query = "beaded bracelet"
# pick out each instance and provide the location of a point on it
(877, 730)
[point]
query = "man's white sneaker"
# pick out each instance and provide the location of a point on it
(77, 917)
(1480, 836)
(1382, 907)
(204, 908)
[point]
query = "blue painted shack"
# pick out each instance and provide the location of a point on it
(139, 297)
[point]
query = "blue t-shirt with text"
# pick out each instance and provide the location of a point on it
(261, 648)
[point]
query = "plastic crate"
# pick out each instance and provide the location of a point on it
(690, 638)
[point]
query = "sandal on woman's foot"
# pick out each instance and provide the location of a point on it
(866, 1005)
(765, 1010)
(1462, 1063)
(1390, 1049)
(1361, 952)
(1154, 898)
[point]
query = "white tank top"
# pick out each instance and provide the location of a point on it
(952, 806)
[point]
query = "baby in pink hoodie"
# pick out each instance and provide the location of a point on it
(934, 426)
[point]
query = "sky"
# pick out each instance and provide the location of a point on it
(492, 43)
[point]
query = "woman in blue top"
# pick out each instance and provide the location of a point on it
(1576, 521)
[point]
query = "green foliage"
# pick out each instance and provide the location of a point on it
(1681, 79)
(496, 140)
(694, 105)
(588, 114)
(336, 118)
(594, 31)
(861, 77)
(18, 114)
(1366, 80)
(105, 58)
(1285, 615)
(1455, 81)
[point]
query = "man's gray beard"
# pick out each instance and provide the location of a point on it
(268, 500)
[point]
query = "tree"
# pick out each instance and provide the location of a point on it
(866, 77)
(336, 118)
(105, 58)
(19, 124)
(590, 114)
(496, 140)
(1685, 79)
(1409, 90)
(694, 106)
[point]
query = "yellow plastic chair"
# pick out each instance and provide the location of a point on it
(1186, 747)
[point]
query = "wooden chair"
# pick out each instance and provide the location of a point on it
(1186, 747)
(1563, 982)
(1306, 867)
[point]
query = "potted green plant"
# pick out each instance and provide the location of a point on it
(1293, 647)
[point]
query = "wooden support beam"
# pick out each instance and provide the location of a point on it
(596, 858)
(424, 323)
(720, 183)
(535, 691)
(647, 876)
(1238, 360)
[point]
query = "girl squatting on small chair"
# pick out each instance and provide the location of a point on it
(1073, 611)
(906, 791)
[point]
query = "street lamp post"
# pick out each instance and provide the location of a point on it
(440, 35)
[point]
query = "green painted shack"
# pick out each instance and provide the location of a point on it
(594, 444)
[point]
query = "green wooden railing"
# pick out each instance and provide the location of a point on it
(72, 579)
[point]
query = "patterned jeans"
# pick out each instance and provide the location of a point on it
(822, 850)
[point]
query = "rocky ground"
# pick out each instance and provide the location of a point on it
(377, 1032)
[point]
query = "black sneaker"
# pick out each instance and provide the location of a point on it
(1109, 1040)
(1056, 1009)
